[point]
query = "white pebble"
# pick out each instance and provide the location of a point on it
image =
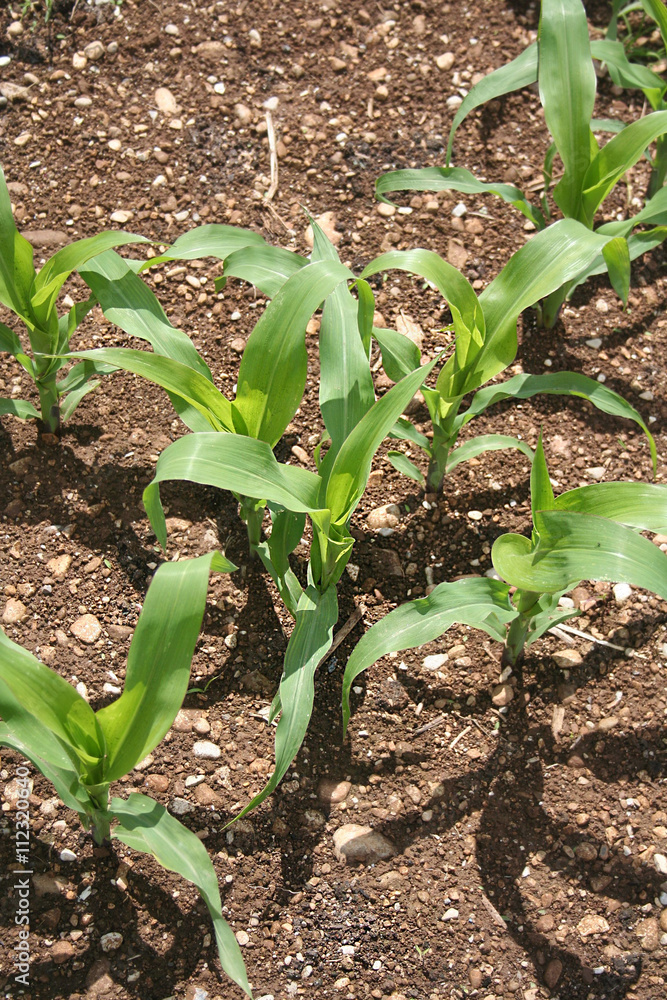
(450, 914)
(111, 941)
(67, 855)
(622, 591)
(435, 661)
(347, 949)
(219, 88)
(594, 342)
(459, 210)
(207, 750)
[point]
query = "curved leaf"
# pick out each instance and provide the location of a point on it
(407, 468)
(311, 638)
(158, 663)
(268, 268)
(638, 505)
(559, 384)
(455, 179)
(231, 462)
(272, 375)
(486, 442)
(574, 547)
(146, 826)
(477, 601)
(20, 408)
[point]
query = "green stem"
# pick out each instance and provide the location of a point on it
(252, 512)
(549, 308)
(524, 601)
(437, 466)
(49, 399)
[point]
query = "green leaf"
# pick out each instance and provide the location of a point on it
(231, 462)
(268, 268)
(286, 532)
(406, 431)
(19, 408)
(50, 279)
(400, 355)
(559, 384)
(623, 72)
(211, 240)
(16, 267)
(9, 341)
(541, 493)
(455, 179)
(407, 468)
(128, 302)
(574, 547)
(158, 664)
(520, 72)
(147, 826)
(477, 601)
(310, 640)
(272, 375)
(486, 442)
(50, 700)
(638, 505)
(346, 384)
(617, 156)
(350, 471)
(178, 379)
(617, 258)
(46, 752)
(565, 56)
(69, 405)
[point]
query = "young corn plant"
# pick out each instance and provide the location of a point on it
(637, 76)
(587, 533)
(235, 453)
(32, 297)
(485, 331)
(563, 52)
(81, 752)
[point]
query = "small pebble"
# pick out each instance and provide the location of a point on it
(622, 592)
(207, 750)
(111, 941)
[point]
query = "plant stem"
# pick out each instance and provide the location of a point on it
(515, 641)
(659, 169)
(549, 308)
(437, 466)
(49, 403)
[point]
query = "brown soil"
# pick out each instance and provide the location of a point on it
(511, 827)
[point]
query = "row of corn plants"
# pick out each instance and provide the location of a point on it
(593, 531)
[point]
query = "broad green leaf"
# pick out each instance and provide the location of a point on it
(559, 384)
(46, 752)
(520, 72)
(455, 179)
(74, 397)
(617, 156)
(128, 302)
(406, 431)
(50, 279)
(476, 601)
(346, 385)
(268, 268)
(19, 408)
(16, 267)
(400, 355)
(407, 468)
(9, 341)
(617, 258)
(350, 471)
(146, 826)
(546, 615)
(567, 82)
(486, 442)
(541, 493)
(310, 640)
(212, 240)
(574, 547)
(638, 505)
(158, 664)
(272, 375)
(654, 212)
(623, 72)
(549, 260)
(231, 462)
(286, 532)
(53, 702)
(178, 379)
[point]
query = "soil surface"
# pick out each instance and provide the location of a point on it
(529, 840)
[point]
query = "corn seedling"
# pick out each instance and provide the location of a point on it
(563, 52)
(587, 533)
(81, 752)
(32, 296)
(485, 331)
